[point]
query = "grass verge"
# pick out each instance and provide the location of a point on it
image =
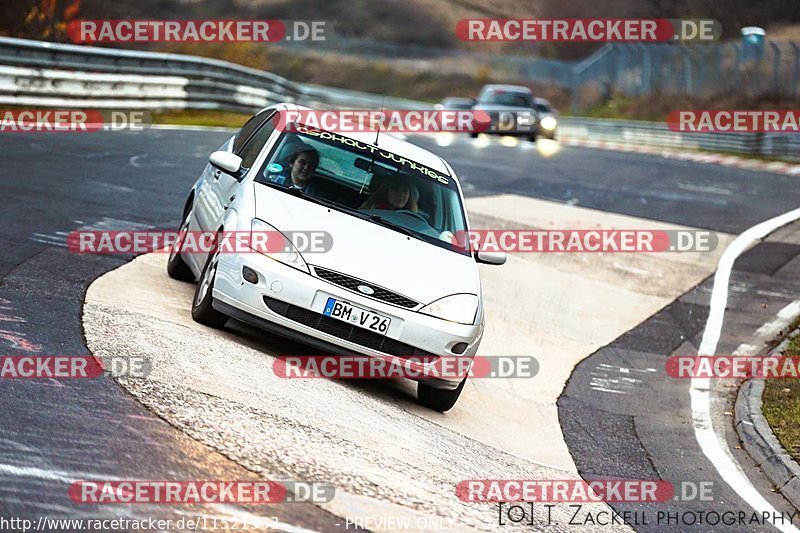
(781, 405)
(192, 117)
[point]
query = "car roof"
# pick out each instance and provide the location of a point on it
(390, 143)
(543, 101)
(510, 88)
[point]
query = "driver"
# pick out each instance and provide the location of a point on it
(302, 162)
(395, 195)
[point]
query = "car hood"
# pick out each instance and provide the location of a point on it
(370, 252)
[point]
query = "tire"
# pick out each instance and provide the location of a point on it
(176, 266)
(532, 136)
(473, 134)
(202, 310)
(438, 399)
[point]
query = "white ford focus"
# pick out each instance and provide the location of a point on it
(391, 283)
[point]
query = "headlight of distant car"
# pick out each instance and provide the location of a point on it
(290, 256)
(459, 308)
(549, 123)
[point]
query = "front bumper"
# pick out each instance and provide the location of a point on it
(281, 289)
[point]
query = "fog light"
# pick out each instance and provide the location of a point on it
(459, 347)
(249, 275)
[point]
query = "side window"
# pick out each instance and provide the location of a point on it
(253, 146)
(247, 130)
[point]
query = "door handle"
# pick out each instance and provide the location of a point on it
(217, 174)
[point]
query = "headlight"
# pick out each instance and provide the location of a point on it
(289, 256)
(549, 123)
(459, 308)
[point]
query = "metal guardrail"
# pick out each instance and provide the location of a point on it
(770, 145)
(64, 71)
(35, 73)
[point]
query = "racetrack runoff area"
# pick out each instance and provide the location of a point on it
(386, 455)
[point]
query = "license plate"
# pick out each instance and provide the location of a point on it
(356, 316)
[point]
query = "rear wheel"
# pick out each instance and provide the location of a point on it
(438, 399)
(202, 309)
(176, 266)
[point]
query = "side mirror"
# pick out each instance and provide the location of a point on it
(490, 258)
(227, 162)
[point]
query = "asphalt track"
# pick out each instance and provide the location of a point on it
(59, 431)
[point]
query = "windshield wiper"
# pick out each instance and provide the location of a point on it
(391, 225)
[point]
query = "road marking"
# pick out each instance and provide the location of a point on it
(713, 444)
(701, 188)
(52, 474)
(134, 160)
(784, 317)
(602, 381)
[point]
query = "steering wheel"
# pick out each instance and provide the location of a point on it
(413, 214)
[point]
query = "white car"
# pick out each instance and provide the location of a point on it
(391, 209)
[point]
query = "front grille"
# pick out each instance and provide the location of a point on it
(345, 331)
(350, 283)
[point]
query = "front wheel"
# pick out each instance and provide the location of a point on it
(202, 309)
(438, 399)
(532, 136)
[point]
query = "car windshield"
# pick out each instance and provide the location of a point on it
(366, 181)
(541, 108)
(511, 99)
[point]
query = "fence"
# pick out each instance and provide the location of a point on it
(34, 73)
(693, 69)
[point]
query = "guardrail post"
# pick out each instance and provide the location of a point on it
(776, 69)
(796, 68)
(737, 49)
(644, 74)
(717, 63)
(622, 60)
(687, 72)
(574, 88)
